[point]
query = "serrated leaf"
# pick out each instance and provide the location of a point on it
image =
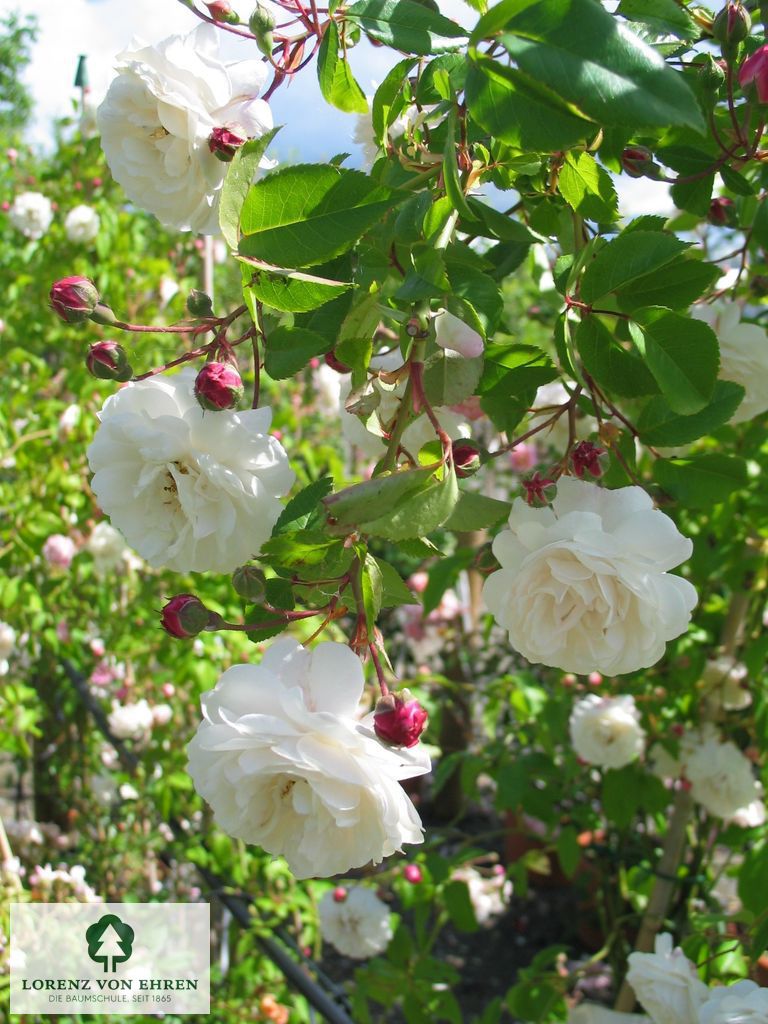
(660, 426)
(406, 25)
(612, 366)
(449, 378)
(337, 83)
(683, 358)
(418, 513)
(663, 17)
(303, 504)
(289, 349)
(588, 188)
(394, 588)
(676, 285)
(451, 179)
(237, 182)
(307, 214)
(628, 257)
(372, 585)
(389, 100)
(302, 548)
(362, 502)
(290, 291)
(256, 615)
(700, 481)
(475, 511)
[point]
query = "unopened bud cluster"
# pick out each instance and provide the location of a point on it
(261, 23)
(106, 360)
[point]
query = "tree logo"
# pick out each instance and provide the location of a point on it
(109, 939)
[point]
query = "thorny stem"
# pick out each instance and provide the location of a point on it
(244, 627)
(209, 324)
(379, 669)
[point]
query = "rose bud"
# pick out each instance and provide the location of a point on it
(224, 143)
(412, 873)
(399, 720)
(753, 75)
(250, 583)
(74, 299)
(638, 162)
(199, 304)
(731, 27)
(184, 616)
(339, 894)
(261, 24)
(102, 314)
(722, 212)
(336, 364)
(218, 386)
(221, 10)
(107, 360)
(539, 490)
(587, 460)
(467, 458)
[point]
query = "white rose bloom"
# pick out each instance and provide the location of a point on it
(666, 983)
(326, 387)
(158, 114)
(726, 679)
(605, 731)
(583, 584)
(358, 926)
(741, 1003)
(452, 333)
(594, 1013)
(82, 224)
(489, 896)
(162, 714)
(722, 779)
(190, 490)
(751, 816)
(31, 213)
(284, 764)
(130, 721)
(107, 546)
(743, 354)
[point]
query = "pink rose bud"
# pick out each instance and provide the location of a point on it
(335, 364)
(218, 386)
(168, 689)
(107, 360)
(594, 679)
(731, 27)
(184, 616)
(638, 162)
(58, 551)
(399, 720)
(523, 457)
(74, 299)
(569, 679)
(588, 460)
(753, 75)
(339, 894)
(221, 10)
(467, 458)
(96, 182)
(224, 143)
(418, 582)
(412, 873)
(722, 212)
(539, 490)
(12, 155)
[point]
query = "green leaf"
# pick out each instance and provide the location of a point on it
(760, 225)
(355, 339)
(302, 548)
(449, 378)
(612, 366)
(580, 51)
(568, 850)
(377, 496)
(290, 291)
(516, 367)
(459, 906)
(498, 225)
(257, 615)
(588, 188)
(372, 585)
(442, 575)
(451, 179)
(304, 215)
(475, 511)
(700, 481)
(753, 879)
(337, 83)
(681, 353)
(394, 589)
(237, 182)
(303, 504)
(628, 257)
(389, 99)
(419, 513)
(676, 285)
(406, 25)
(289, 349)
(660, 426)
(519, 110)
(663, 17)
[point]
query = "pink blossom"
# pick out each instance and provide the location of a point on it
(59, 550)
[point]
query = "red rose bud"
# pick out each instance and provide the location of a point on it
(184, 616)
(107, 360)
(467, 458)
(753, 75)
(399, 720)
(638, 162)
(218, 386)
(336, 364)
(102, 314)
(224, 143)
(722, 212)
(587, 460)
(74, 299)
(339, 894)
(199, 304)
(221, 10)
(250, 583)
(412, 873)
(539, 490)
(731, 27)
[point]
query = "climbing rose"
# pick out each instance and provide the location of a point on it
(283, 761)
(158, 115)
(666, 983)
(188, 490)
(130, 721)
(721, 778)
(605, 731)
(584, 584)
(358, 925)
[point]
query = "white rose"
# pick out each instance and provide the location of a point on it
(743, 355)
(727, 678)
(721, 777)
(7, 639)
(82, 224)
(742, 1003)
(489, 896)
(193, 491)
(326, 386)
(284, 764)
(452, 333)
(605, 731)
(358, 925)
(162, 714)
(158, 115)
(107, 546)
(31, 214)
(593, 1013)
(666, 983)
(583, 584)
(130, 721)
